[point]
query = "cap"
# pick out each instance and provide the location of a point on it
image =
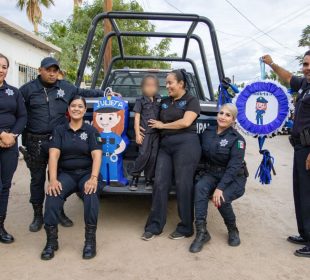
(109, 104)
(261, 100)
(48, 62)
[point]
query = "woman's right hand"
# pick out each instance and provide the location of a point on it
(54, 188)
(7, 139)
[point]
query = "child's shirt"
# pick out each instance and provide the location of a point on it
(148, 110)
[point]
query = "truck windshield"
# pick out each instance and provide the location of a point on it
(128, 82)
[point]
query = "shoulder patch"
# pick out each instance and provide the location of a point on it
(241, 144)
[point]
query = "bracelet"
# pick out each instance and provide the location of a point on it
(94, 176)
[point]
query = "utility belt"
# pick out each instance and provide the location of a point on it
(221, 169)
(35, 151)
(303, 139)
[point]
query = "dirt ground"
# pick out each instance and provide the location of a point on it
(265, 218)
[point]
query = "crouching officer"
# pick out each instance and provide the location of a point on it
(300, 139)
(223, 149)
(74, 164)
(46, 100)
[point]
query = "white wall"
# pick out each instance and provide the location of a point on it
(19, 52)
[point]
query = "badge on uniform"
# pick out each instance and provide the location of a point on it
(181, 104)
(223, 142)
(9, 92)
(84, 136)
(60, 93)
(164, 106)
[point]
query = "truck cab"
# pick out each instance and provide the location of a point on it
(127, 81)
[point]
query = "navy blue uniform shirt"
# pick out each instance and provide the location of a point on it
(148, 110)
(302, 107)
(226, 150)
(47, 106)
(174, 110)
(13, 114)
(75, 146)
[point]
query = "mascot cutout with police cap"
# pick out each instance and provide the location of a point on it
(263, 109)
(110, 118)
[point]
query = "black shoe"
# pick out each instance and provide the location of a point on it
(202, 237)
(37, 221)
(233, 236)
(5, 237)
(51, 242)
(297, 240)
(148, 185)
(147, 236)
(134, 183)
(303, 252)
(89, 250)
(64, 220)
(176, 235)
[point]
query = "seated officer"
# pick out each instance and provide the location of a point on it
(223, 148)
(74, 164)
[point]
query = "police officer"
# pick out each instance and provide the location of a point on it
(223, 150)
(13, 118)
(178, 156)
(46, 100)
(300, 139)
(74, 165)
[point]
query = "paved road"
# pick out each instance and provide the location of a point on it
(265, 218)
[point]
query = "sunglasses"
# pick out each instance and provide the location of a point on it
(223, 113)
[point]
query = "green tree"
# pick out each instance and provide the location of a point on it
(33, 10)
(71, 33)
(305, 37)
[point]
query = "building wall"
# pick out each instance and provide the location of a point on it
(19, 52)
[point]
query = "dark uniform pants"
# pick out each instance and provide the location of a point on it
(205, 188)
(72, 182)
(8, 165)
(147, 156)
(301, 188)
(178, 155)
(37, 163)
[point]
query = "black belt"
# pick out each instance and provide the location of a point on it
(215, 168)
(37, 137)
(303, 139)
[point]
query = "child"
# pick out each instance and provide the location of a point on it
(147, 107)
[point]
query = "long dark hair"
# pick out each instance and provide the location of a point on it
(180, 75)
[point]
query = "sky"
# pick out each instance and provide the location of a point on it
(272, 27)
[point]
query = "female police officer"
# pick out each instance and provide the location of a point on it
(74, 164)
(223, 148)
(178, 155)
(13, 118)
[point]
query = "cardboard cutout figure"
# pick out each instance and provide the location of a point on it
(110, 118)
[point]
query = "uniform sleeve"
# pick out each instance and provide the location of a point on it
(94, 143)
(56, 139)
(234, 165)
(21, 114)
(193, 106)
(138, 106)
(296, 83)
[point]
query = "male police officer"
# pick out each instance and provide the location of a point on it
(46, 100)
(300, 139)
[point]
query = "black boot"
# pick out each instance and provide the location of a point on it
(134, 183)
(89, 250)
(202, 237)
(51, 242)
(4, 236)
(233, 235)
(37, 222)
(64, 220)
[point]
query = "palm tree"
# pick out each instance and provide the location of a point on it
(33, 10)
